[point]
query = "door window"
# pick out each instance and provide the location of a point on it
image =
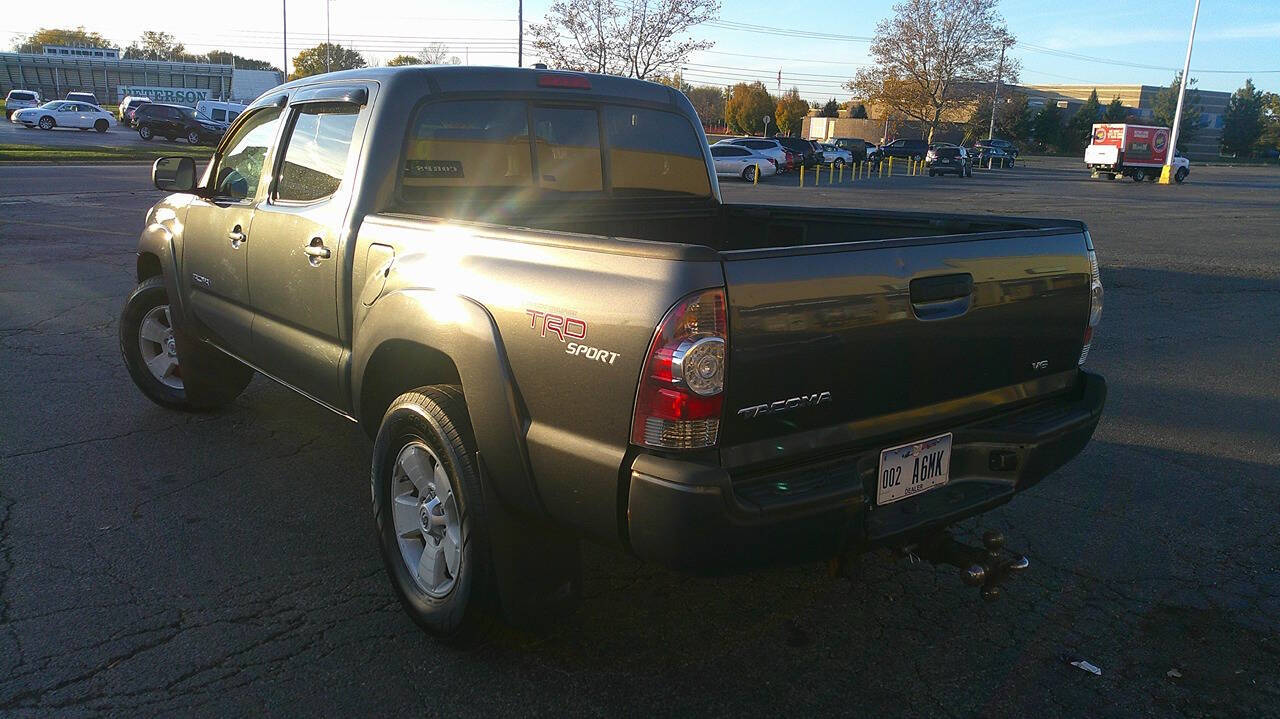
(240, 168)
(315, 156)
(219, 115)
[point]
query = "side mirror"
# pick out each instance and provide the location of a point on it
(174, 174)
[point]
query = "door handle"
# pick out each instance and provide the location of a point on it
(316, 251)
(237, 237)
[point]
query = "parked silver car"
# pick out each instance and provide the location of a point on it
(766, 146)
(20, 100)
(738, 161)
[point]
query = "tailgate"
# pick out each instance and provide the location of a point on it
(837, 345)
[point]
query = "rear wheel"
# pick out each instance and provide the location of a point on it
(1139, 175)
(1181, 175)
(47, 123)
(193, 138)
(101, 125)
(749, 174)
(430, 514)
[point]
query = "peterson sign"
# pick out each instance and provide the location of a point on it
(179, 95)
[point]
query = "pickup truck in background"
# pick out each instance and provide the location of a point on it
(525, 287)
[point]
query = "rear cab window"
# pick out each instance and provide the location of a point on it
(487, 150)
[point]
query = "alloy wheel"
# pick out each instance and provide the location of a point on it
(425, 516)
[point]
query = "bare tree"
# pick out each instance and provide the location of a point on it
(933, 58)
(437, 53)
(637, 38)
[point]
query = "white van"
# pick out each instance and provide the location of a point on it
(20, 100)
(220, 111)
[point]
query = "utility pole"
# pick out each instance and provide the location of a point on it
(995, 99)
(284, 37)
(1166, 173)
(327, 44)
(520, 35)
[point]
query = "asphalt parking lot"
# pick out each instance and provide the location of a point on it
(117, 135)
(154, 563)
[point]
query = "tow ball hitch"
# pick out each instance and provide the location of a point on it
(985, 567)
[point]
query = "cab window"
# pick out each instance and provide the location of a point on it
(471, 148)
(654, 152)
(240, 167)
(315, 155)
(567, 143)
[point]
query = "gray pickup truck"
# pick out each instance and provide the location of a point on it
(524, 286)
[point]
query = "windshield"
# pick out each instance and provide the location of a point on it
(52, 104)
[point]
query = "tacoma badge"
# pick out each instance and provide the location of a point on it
(784, 405)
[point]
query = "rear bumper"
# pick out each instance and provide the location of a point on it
(696, 517)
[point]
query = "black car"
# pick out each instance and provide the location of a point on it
(802, 149)
(903, 148)
(174, 121)
(948, 159)
(1000, 151)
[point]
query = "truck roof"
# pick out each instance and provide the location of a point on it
(455, 78)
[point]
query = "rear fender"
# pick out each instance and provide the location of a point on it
(464, 332)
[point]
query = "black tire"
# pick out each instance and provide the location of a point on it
(437, 417)
(47, 123)
(1181, 175)
(145, 132)
(8, 114)
(209, 379)
(932, 173)
(101, 125)
(749, 173)
(193, 137)
(1139, 175)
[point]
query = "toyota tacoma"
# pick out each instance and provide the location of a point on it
(525, 287)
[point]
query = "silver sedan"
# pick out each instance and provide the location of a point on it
(738, 161)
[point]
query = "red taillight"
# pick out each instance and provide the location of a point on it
(681, 392)
(573, 82)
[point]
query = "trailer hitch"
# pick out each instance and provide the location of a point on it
(986, 567)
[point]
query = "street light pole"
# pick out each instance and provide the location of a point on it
(520, 35)
(327, 44)
(995, 100)
(1166, 173)
(284, 37)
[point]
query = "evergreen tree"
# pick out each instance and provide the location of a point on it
(1047, 126)
(1166, 104)
(1116, 111)
(1242, 123)
(1080, 126)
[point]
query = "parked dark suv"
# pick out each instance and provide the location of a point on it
(904, 148)
(802, 149)
(174, 121)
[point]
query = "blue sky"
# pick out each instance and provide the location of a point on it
(1137, 42)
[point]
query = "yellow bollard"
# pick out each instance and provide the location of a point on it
(842, 174)
(831, 173)
(880, 169)
(890, 167)
(802, 175)
(817, 174)
(755, 180)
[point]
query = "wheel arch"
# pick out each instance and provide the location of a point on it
(415, 337)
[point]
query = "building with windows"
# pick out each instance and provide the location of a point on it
(111, 53)
(53, 73)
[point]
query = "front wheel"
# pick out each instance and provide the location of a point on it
(47, 123)
(1139, 175)
(193, 138)
(1181, 175)
(749, 174)
(430, 514)
(150, 343)
(145, 133)
(101, 125)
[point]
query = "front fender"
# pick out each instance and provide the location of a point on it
(462, 330)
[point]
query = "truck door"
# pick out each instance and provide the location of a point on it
(217, 233)
(296, 259)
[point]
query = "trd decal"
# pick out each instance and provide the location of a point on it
(591, 353)
(565, 328)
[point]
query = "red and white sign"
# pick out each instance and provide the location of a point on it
(1139, 145)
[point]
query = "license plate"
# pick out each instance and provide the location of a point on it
(912, 468)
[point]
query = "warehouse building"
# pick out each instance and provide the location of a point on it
(54, 73)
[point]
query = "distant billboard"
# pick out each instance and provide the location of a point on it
(176, 95)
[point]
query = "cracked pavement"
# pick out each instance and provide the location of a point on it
(154, 563)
